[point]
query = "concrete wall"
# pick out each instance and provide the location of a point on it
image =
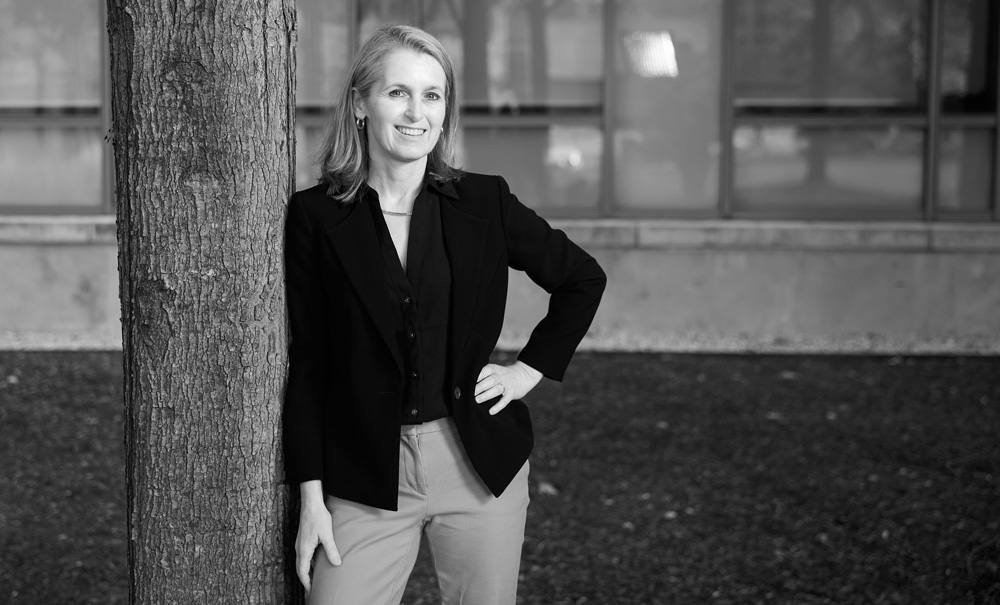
(673, 286)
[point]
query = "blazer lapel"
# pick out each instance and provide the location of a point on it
(465, 242)
(356, 244)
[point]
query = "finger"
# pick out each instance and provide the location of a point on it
(486, 371)
(330, 548)
(500, 405)
(494, 391)
(302, 567)
(485, 384)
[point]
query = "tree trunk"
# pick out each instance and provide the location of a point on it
(203, 105)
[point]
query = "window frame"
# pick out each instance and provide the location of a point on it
(931, 120)
(25, 117)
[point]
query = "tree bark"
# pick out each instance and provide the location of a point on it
(203, 106)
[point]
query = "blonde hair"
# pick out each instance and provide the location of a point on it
(343, 157)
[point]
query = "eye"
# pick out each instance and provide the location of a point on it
(433, 96)
(397, 92)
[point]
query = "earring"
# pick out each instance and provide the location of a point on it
(360, 123)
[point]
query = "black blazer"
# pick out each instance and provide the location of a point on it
(343, 404)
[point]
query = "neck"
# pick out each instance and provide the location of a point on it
(397, 186)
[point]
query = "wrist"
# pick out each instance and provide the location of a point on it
(311, 494)
(531, 373)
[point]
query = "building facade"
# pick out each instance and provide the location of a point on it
(755, 175)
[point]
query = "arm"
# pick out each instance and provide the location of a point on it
(308, 356)
(571, 276)
(575, 283)
(302, 414)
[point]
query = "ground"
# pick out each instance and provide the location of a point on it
(656, 479)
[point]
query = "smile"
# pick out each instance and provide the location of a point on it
(410, 132)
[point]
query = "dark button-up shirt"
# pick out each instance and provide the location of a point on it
(419, 297)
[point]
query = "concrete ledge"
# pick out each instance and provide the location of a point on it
(60, 341)
(853, 344)
(965, 238)
(782, 235)
(630, 341)
(97, 229)
(631, 234)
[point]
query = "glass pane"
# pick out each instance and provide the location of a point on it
(666, 108)
(376, 13)
(50, 53)
(547, 166)
(795, 169)
(50, 166)
(307, 142)
(324, 51)
(823, 54)
(523, 55)
(968, 57)
(966, 170)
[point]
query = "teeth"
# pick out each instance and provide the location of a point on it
(410, 131)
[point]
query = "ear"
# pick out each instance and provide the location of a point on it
(358, 103)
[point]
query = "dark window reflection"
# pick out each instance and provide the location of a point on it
(522, 57)
(822, 55)
(968, 56)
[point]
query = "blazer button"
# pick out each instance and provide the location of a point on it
(457, 392)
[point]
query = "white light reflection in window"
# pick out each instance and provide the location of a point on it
(651, 54)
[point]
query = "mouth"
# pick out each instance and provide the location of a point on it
(411, 132)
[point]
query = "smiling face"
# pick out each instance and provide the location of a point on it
(405, 109)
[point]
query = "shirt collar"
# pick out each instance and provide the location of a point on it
(446, 188)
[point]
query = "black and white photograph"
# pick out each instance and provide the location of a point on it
(500, 302)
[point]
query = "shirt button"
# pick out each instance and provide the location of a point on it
(406, 299)
(413, 412)
(412, 335)
(414, 374)
(457, 393)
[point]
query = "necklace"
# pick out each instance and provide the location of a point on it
(397, 213)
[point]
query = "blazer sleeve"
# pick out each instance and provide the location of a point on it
(573, 279)
(308, 352)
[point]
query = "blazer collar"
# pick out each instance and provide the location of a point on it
(445, 188)
(356, 243)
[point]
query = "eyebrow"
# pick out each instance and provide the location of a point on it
(433, 87)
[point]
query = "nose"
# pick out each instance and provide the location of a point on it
(414, 109)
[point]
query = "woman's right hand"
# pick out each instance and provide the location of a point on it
(315, 529)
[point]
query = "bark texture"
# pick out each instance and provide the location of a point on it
(203, 105)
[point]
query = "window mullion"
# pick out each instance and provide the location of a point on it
(996, 125)
(109, 194)
(933, 109)
(605, 207)
(726, 114)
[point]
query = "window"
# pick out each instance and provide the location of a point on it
(864, 109)
(665, 96)
(530, 77)
(789, 109)
(52, 110)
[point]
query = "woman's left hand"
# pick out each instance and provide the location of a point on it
(507, 382)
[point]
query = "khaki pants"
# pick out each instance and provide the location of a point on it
(475, 539)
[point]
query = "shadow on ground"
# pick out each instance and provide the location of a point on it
(656, 479)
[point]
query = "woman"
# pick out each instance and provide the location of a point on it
(395, 424)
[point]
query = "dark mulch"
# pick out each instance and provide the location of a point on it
(655, 479)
